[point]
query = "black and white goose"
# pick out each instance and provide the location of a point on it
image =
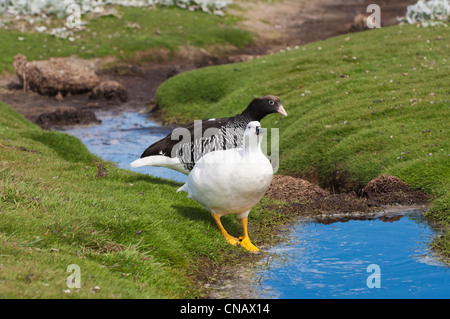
(181, 149)
(232, 181)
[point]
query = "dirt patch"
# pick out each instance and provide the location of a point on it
(388, 190)
(297, 22)
(307, 199)
(293, 189)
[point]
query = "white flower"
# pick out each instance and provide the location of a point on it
(426, 13)
(58, 8)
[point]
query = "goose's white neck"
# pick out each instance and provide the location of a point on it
(252, 144)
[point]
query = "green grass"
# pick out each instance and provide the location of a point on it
(359, 105)
(132, 235)
(145, 30)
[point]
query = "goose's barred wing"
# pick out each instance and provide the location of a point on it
(230, 136)
(190, 143)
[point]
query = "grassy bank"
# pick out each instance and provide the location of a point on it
(131, 235)
(359, 105)
(140, 34)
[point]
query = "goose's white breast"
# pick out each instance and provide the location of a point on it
(227, 182)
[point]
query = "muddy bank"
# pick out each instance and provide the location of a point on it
(140, 83)
(306, 199)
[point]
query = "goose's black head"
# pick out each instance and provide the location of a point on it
(262, 106)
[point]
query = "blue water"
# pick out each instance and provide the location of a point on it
(316, 260)
(338, 260)
(122, 137)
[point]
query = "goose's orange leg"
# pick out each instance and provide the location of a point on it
(245, 240)
(232, 240)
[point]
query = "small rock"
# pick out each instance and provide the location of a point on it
(30, 277)
(174, 71)
(41, 29)
(59, 97)
(359, 23)
(110, 90)
(94, 289)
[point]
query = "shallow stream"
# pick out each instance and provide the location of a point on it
(386, 257)
(122, 137)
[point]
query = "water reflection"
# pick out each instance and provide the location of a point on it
(331, 261)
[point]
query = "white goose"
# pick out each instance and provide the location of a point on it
(232, 182)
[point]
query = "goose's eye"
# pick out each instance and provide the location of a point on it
(271, 102)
